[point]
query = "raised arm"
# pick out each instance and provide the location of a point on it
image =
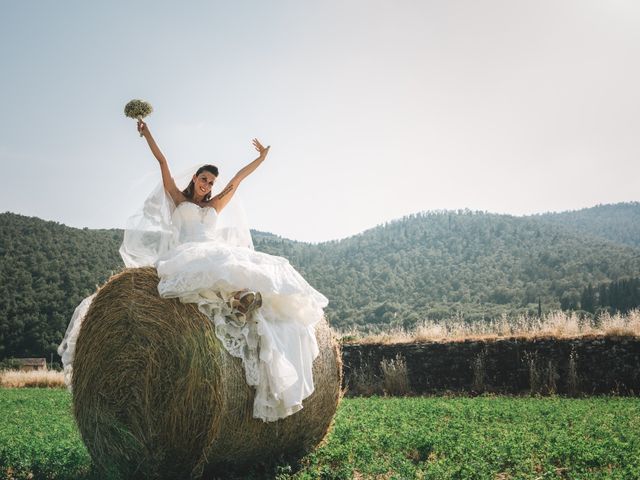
(167, 180)
(220, 201)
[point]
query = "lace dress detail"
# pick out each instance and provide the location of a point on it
(277, 343)
(238, 338)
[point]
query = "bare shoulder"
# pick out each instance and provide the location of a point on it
(177, 196)
(216, 204)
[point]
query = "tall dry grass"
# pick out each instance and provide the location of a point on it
(35, 378)
(555, 324)
(392, 380)
(395, 376)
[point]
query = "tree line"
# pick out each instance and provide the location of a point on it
(617, 296)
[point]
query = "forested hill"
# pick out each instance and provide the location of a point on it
(434, 264)
(619, 222)
(45, 270)
(442, 264)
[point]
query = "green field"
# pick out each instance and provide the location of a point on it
(453, 438)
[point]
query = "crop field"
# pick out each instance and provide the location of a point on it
(386, 438)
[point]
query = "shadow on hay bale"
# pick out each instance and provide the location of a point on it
(155, 394)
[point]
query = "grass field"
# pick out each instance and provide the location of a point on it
(438, 438)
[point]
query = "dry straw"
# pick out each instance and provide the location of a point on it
(32, 379)
(556, 324)
(157, 396)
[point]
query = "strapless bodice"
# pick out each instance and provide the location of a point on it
(194, 223)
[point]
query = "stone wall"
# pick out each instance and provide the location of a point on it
(584, 365)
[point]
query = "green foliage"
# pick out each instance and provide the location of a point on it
(454, 264)
(38, 438)
(437, 265)
(46, 269)
(620, 295)
(439, 438)
(619, 222)
(481, 438)
(10, 364)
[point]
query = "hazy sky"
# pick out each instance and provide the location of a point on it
(373, 109)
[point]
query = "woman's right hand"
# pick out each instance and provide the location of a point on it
(142, 128)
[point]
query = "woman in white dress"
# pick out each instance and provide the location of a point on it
(263, 310)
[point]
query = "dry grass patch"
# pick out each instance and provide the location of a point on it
(35, 378)
(555, 324)
(395, 376)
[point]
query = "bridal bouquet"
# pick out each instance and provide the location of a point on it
(138, 109)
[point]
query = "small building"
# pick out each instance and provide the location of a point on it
(28, 364)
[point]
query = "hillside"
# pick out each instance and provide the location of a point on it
(443, 264)
(619, 223)
(435, 264)
(45, 270)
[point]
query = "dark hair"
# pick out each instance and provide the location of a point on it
(188, 192)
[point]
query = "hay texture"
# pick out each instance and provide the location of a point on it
(156, 395)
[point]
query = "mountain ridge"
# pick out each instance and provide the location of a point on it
(553, 216)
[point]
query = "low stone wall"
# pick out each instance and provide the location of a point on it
(584, 365)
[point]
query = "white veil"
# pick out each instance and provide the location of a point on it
(150, 232)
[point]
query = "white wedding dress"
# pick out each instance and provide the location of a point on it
(277, 344)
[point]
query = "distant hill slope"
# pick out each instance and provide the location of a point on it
(433, 264)
(45, 269)
(440, 264)
(619, 222)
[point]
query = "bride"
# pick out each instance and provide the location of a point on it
(263, 310)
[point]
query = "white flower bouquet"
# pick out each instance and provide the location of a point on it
(138, 109)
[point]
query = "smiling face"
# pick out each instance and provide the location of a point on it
(203, 182)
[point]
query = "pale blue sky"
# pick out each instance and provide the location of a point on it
(374, 109)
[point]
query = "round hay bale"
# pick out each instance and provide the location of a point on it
(156, 395)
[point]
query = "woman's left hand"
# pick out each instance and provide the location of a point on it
(263, 151)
